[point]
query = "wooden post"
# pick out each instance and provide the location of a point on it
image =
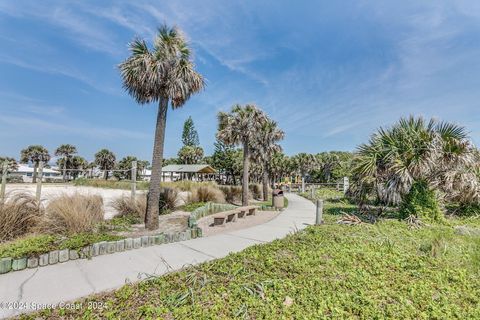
(134, 179)
(39, 181)
(319, 213)
(346, 185)
(4, 180)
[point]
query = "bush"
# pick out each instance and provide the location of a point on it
(256, 190)
(19, 214)
(126, 207)
(168, 200)
(233, 194)
(73, 214)
(421, 201)
(206, 193)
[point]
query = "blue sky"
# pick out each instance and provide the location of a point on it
(330, 72)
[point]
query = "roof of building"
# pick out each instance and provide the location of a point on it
(23, 168)
(190, 168)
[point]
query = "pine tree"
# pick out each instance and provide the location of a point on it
(190, 135)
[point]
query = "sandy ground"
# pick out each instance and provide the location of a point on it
(50, 191)
(53, 190)
(208, 229)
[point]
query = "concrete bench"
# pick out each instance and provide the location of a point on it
(224, 217)
(248, 210)
(221, 218)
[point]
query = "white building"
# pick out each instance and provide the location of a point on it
(25, 172)
(175, 172)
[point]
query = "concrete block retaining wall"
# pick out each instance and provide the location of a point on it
(96, 249)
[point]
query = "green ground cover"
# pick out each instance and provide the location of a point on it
(34, 245)
(366, 271)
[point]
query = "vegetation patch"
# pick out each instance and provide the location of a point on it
(34, 245)
(382, 270)
(192, 206)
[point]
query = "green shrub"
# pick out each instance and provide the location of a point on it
(80, 240)
(422, 202)
(32, 245)
(192, 206)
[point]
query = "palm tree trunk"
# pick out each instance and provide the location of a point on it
(303, 183)
(246, 167)
(105, 174)
(34, 176)
(265, 182)
(64, 169)
(151, 216)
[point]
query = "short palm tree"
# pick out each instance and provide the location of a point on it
(190, 154)
(265, 147)
(105, 160)
(414, 151)
(304, 163)
(34, 154)
(241, 126)
(163, 74)
(66, 151)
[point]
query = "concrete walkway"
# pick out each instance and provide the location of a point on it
(78, 278)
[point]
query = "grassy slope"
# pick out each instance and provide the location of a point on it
(368, 271)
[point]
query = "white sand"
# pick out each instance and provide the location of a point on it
(50, 191)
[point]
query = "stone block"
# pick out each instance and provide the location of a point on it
(43, 259)
(188, 235)
(120, 245)
(95, 249)
(144, 240)
(199, 233)
(32, 262)
(176, 236)
(87, 252)
(193, 233)
(128, 244)
(63, 255)
(53, 257)
(73, 254)
(151, 240)
(5, 265)
(111, 246)
(137, 243)
(102, 247)
(159, 238)
(168, 237)
(19, 264)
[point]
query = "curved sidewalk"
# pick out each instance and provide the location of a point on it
(74, 279)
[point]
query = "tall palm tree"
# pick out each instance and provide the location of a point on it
(265, 146)
(35, 154)
(163, 74)
(304, 163)
(66, 151)
(241, 126)
(105, 160)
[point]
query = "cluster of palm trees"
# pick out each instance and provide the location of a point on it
(258, 135)
(416, 152)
